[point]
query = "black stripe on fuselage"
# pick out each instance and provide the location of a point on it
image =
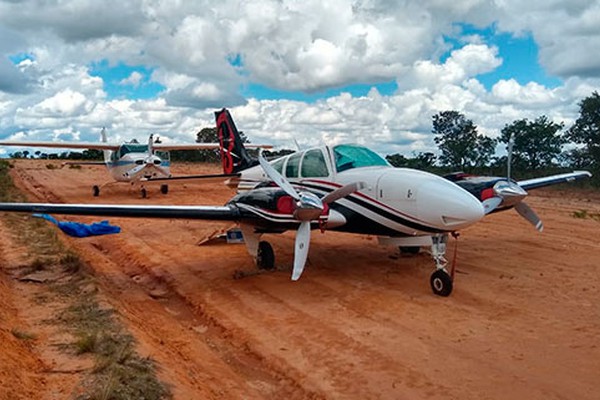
(373, 208)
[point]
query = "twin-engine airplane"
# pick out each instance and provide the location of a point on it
(345, 188)
(135, 163)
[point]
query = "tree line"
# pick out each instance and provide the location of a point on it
(538, 145)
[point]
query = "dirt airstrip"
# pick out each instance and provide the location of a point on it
(523, 321)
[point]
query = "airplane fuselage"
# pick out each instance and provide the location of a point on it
(126, 165)
(395, 202)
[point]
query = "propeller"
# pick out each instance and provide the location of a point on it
(308, 208)
(526, 212)
(508, 193)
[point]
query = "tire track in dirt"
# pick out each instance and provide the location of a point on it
(520, 323)
(201, 338)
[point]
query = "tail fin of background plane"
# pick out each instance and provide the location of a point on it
(234, 156)
(104, 139)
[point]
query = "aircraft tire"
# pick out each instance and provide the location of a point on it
(95, 191)
(441, 283)
(164, 189)
(265, 257)
(144, 193)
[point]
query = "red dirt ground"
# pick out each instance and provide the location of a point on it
(522, 323)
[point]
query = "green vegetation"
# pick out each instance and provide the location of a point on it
(22, 335)
(119, 372)
(540, 147)
(460, 145)
(585, 214)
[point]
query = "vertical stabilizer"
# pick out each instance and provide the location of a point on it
(103, 138)
(234, 156)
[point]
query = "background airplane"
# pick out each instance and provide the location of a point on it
(346, 188)
(135, 163)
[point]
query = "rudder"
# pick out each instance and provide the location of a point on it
(234, 156)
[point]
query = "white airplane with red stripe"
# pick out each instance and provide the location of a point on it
(346, 188)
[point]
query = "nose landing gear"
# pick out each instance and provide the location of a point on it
(441, 281)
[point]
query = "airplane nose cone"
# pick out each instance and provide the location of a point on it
(448, 206)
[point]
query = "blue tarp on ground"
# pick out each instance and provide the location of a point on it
(78, 229)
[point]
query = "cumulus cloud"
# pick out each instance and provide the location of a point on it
(203, 52)
(134, 79)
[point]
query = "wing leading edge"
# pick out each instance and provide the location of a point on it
(553, 179)
(65, 145)
(217, 213)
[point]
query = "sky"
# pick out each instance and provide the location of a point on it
(371, 72)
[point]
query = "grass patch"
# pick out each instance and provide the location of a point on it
(22, 335)
(585, 214)
(119, 372)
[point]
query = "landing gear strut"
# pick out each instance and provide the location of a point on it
(441, 281)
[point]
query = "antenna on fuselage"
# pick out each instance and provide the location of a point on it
(509, 148)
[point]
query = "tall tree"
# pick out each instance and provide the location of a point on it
(460, 145)
(536, 143)
(423, 161)
(586, 131)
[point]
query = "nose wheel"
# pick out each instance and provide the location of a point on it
(441, 283)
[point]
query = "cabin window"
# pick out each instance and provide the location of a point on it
(313, 164)
(291, 169)
(163, 155)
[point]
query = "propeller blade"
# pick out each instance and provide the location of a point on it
(343, 192)
(526, 212)
(277, 177)
(491, 204)
(151, 145)
(135, 170)
(301, 249)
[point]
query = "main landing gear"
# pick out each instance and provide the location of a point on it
(440, 280)
(265, 257)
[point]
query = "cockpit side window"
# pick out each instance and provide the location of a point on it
(278, 165)
(291, 168)
(313, 164)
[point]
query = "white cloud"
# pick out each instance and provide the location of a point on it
(464, 63)
(289, 45)
(134, 79)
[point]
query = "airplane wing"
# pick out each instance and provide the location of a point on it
(201, 146)
(217, 213)
(64, 145)
(553, 179)
(84, 163)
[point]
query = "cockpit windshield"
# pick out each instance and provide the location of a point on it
(133, 148)
(348, 156)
